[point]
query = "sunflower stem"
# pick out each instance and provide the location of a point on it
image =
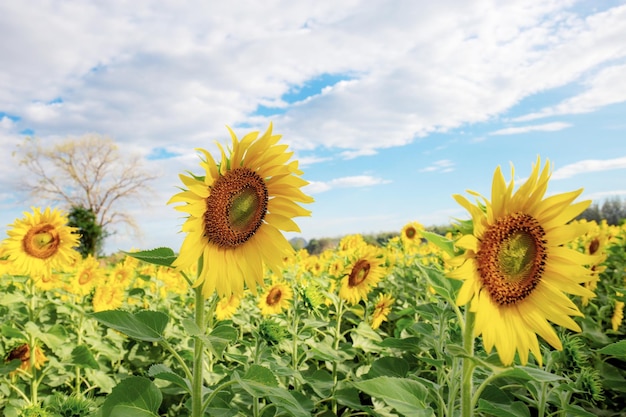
(467, 406)
(338, 336)
(198, 350)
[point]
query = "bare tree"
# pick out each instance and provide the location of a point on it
(87, 172)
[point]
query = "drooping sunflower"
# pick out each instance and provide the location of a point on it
(275, 299)
(42, 242)
(361, 274)
(381, 309)
(236, 211)
(516, 270)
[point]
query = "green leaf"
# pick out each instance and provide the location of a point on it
(260, 382)
(530, 374)
(144, 325)
(220, 338)
(617, 349)
(407, 396)
(83, 358)
(441, 242)
(159, 256)
(163, 372)
(514, 409)
(407, 344)
(7, 367)
(134, 396)
(389, 366)
(11, 333)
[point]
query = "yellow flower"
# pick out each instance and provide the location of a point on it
(275, 299)
(362, 273)
(618, 314)
(515, 269)
(88, 275)
(227, 307)
(236, 211)
(381, 309)
(108, 296)
(41, 242)
(22, 353)
(410, 234)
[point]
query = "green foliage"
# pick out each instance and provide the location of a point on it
(92, 234)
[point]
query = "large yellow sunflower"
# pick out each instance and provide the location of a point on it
(236, 211)
(516, 269)
(361, 274)
(41, 242)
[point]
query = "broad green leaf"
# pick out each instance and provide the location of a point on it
(261, 382)
(514, 409)
(617, 349)
(11, 333)
(531, 374)
(407, 396)
(389, 366)
(144, 325)
(407, 344)
(163, 372)
(134, 396)
(441, 242)
(321, 381)
(7, 367)
(83, 358)
(159, 256)
(220, 337)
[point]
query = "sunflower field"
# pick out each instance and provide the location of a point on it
(517, 311)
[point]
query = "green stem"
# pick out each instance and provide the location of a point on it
(467, 409)
(214, 393)
(198, 363)
(336, 348)
(180, 360)
(294, 335)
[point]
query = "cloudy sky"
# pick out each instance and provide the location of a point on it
(390, 106)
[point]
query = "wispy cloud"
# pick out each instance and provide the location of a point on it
(589, 165)
(357, 153)
(316, 187)
(546, 127)
(605, 195)
(603, 88)
(443, 165)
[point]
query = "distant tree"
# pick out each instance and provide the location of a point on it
(88, 172)
(91, 233)
(613, 210)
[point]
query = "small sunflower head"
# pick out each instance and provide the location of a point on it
(589, 382)
(311, 296)
(272, 332)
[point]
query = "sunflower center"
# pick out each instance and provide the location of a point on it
(511, 258)
(236, 207)
(85, 277)
(273, 297)
(41, 241)
(359, 273)
(410, 232)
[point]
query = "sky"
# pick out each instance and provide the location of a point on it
(391, 107)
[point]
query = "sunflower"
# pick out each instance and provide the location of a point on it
(227, 307)
(236, 211)
(515, 270)
(362, 273)
(108, 296)
(22, 353)
(410, 233)
(41, 242)
(381, 309)
(275, 298)
(88, 275)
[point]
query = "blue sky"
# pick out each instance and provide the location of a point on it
(391, 107)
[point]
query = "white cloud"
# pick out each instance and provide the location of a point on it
(589, 165)
(606, 87)
(443, 165)
(358, 153)
(547, 127)
(316, 187)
